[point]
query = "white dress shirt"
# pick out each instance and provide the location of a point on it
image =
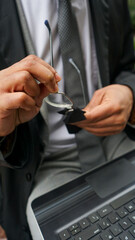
(36, 12)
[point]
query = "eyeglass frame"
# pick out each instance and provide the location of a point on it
(46, 22)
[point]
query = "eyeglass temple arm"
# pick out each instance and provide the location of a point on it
(80, 77)
(50, 38)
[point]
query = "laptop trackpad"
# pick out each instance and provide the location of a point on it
(112, 177)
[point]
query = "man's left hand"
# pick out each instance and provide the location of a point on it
(108, 111)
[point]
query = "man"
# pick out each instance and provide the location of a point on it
(25, 142)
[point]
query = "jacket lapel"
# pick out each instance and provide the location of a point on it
(100, 20)
(12, 47)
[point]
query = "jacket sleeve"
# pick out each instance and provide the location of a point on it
(29, 141)
(121, 50)
(121, 53)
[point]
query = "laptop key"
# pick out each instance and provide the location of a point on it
(64, 235)
(123, 200)
(115, 230)
(96, 238)
(106, 235)
(93, 217)
(75, 231)
(126, 236)
(132, 231)
(104, 211)
(84, 223)
(130, 207)
(132, 217)
(79, 238)
(104, 224)
(74, 226)
(88, 233)
(113, 217)
(125, 224)
(122, 212)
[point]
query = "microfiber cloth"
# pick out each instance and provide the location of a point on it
(71, 116)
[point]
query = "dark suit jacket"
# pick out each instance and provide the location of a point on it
(114, 45)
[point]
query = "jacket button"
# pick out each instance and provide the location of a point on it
(28, 177)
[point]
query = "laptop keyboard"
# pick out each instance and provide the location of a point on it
(114, 221)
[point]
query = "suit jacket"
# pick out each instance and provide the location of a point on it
(114, 46)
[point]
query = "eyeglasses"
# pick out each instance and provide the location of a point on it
(60, 99)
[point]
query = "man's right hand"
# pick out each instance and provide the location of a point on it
(21, 95)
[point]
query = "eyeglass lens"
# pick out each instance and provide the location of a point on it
(59, 100)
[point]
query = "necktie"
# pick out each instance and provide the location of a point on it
(70, 46)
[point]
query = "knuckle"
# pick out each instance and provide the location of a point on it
(32, 57)
(118, 129)
(122, 121)
(22, 97)
(96, 93)
(30, 61)
(25, 76)
(115, 108)
(26, 101)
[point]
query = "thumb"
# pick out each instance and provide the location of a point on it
(95, 101)
(43, 93)
(10, 101)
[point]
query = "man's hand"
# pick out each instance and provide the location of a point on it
(20, 94)
(2, 234)
(108, 111)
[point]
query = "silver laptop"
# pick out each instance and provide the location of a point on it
(98, 205)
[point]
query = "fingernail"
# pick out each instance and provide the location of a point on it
(57, 76)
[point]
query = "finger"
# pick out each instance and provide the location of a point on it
(104, 131)
(108, 129)
(21, 82)
(34, 58)
(102, 111)
(26, 115)
(42, 71)
(25, 82)
(114, 120)
(41, 61)
(95, 101)
(2, 234)
(39, 70)
(10, 101)
(43, 93)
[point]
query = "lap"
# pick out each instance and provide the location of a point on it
(55, 171)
